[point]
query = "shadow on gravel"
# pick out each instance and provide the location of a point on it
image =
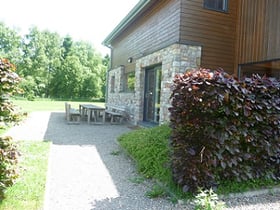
(61, 133)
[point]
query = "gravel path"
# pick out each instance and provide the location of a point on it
(88, 170)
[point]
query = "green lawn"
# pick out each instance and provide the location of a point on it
(28, 191)
(48, 105)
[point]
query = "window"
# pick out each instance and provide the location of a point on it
(269, 68)
(129, 82)
(217, 5)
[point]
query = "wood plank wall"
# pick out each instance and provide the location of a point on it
(215, 31)
(259, 30)
(157, 28)
(248, 32)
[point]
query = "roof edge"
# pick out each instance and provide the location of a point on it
(127, 19)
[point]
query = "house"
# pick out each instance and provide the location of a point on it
(160, 38)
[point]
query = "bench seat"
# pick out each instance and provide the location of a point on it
(116, 114)
(73, 116)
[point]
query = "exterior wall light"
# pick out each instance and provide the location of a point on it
(129, 60)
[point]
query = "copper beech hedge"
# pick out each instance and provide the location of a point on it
(9, 154)
(9, 81)
(224, 129)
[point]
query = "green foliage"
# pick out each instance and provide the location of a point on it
(131, 81)
(149, 148)
(8, 164)
(59, 67)
(227, 186)
(208, 200)
(29, 189)
(156, 191)
(224, 129)
(41, 56)
(115, 152)
(137, 140)
(28, 85)
(9, 44)
(9, 81)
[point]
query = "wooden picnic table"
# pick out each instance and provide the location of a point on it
(92, 111)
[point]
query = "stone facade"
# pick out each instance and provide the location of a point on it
(174, 59)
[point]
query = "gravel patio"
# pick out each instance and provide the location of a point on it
(88, 170)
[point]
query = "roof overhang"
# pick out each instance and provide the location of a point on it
(132, 15)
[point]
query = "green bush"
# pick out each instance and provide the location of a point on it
(224, 129)
(8, 163)
(149, 148)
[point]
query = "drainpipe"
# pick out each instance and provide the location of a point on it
(107, 73)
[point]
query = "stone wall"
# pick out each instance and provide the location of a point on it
(174, 59)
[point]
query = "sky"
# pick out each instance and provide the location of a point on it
(87, 20)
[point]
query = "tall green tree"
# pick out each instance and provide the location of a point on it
(41, 56)
(91, 71)
(67, 81)
(67, 46)
(10, 42)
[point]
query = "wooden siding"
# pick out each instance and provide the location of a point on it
(215, 31)
(259, 32)
(157, 28)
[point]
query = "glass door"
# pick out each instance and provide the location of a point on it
(152, 94)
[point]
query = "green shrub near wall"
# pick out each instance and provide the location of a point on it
(224, 129)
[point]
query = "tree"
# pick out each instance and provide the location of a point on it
(67, 45)
(9, 44)
(67, 81)
(53, 66)
(92, 70)
(42, 55)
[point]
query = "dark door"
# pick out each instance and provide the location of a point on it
(152, 94)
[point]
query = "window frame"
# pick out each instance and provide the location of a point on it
(224, 9)
(127, 76)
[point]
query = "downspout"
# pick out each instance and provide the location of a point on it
(107, 73)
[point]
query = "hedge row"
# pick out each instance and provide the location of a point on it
(224, 129)
(9, 81)
(8, 164)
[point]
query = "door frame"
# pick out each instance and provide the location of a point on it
(156, 94)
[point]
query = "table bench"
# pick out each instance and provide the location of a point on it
(72, 115)
(115, 112)
(92, 111)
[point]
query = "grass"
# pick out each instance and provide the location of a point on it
(227, 187)
(150, 151)
(149, 147)
(28, 191)
(48, 104)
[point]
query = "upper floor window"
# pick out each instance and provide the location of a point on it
(217, 5)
